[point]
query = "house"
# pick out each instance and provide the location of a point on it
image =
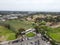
(12, 17)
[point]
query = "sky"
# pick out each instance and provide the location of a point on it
(30, 5)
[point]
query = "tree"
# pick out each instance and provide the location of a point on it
(42, 23)
(37, 29)
(58, 18)
(38, 19)
(7, 26)
(49, 19)
(19, 33)
(31, 17)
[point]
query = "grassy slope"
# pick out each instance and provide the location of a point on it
(7, 33)
(55, 34)
(20, 24)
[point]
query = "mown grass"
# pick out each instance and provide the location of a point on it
(11, 36)
(55, 36)
(54, 33)
(8, 34)
(31, 34)
(19, 24)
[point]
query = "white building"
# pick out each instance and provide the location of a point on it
(13, 17)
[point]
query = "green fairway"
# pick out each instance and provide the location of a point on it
(31, 34)
(8, 34)
(19, 24)
(54, 33)
(55, 36)
(11, 36)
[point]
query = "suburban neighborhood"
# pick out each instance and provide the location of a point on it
(29, 29)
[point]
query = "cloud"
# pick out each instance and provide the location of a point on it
(30, 5)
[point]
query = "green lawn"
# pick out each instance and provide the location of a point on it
(55, 36)
(8, 34)
(54, 33)
(20, 24)
(11, 36)
(17, 24)
(31, 34)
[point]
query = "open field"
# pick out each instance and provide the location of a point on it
(54, 33)
(17, 24)
(55, 36)
(6, 34)
(20, 24)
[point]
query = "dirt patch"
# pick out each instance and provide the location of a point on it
(2, 38)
